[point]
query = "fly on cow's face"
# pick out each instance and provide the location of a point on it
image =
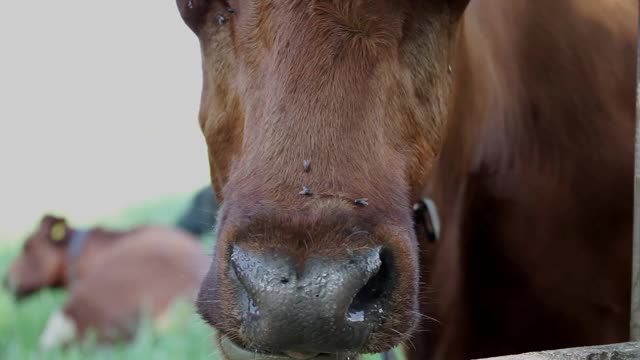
(227, 7)
(221, 19)
(361, 202)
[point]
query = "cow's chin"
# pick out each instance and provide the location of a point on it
(232, 351)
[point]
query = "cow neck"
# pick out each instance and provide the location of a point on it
(77, 243)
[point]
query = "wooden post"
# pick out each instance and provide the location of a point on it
(624, 351)
(635, 283)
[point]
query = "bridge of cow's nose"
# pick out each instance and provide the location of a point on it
(319, 305)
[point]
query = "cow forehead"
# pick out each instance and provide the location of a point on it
(329, 82)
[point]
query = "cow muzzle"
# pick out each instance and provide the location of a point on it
(305, 311)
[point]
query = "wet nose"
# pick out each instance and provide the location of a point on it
(324, 305)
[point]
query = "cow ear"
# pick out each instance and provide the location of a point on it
(58, 231)
(194, 12)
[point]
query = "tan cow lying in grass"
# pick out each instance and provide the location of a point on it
(113, 277)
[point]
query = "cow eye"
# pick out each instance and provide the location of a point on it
(194, 13)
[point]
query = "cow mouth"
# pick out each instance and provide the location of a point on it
(233, 351)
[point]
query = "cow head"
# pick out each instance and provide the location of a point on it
(322, 119)
(42, 261)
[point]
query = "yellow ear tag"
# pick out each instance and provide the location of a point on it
(58, 231)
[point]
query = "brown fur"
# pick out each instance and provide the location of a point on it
(361, 89)
(534, 182)
(116, 277)
(367, 124)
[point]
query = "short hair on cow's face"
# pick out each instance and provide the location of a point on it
(322, 121)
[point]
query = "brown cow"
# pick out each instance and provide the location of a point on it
(112, 277)
(323, 119)
(535, 181)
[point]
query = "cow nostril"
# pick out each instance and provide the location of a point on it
(369, 298)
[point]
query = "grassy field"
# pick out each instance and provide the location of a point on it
(21, 323)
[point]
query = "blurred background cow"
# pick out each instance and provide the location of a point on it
(113, 277)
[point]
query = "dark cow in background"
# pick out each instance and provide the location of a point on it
(200, 217)
(113, 277)
(324, 119)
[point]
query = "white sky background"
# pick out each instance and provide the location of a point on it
(98, 107)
